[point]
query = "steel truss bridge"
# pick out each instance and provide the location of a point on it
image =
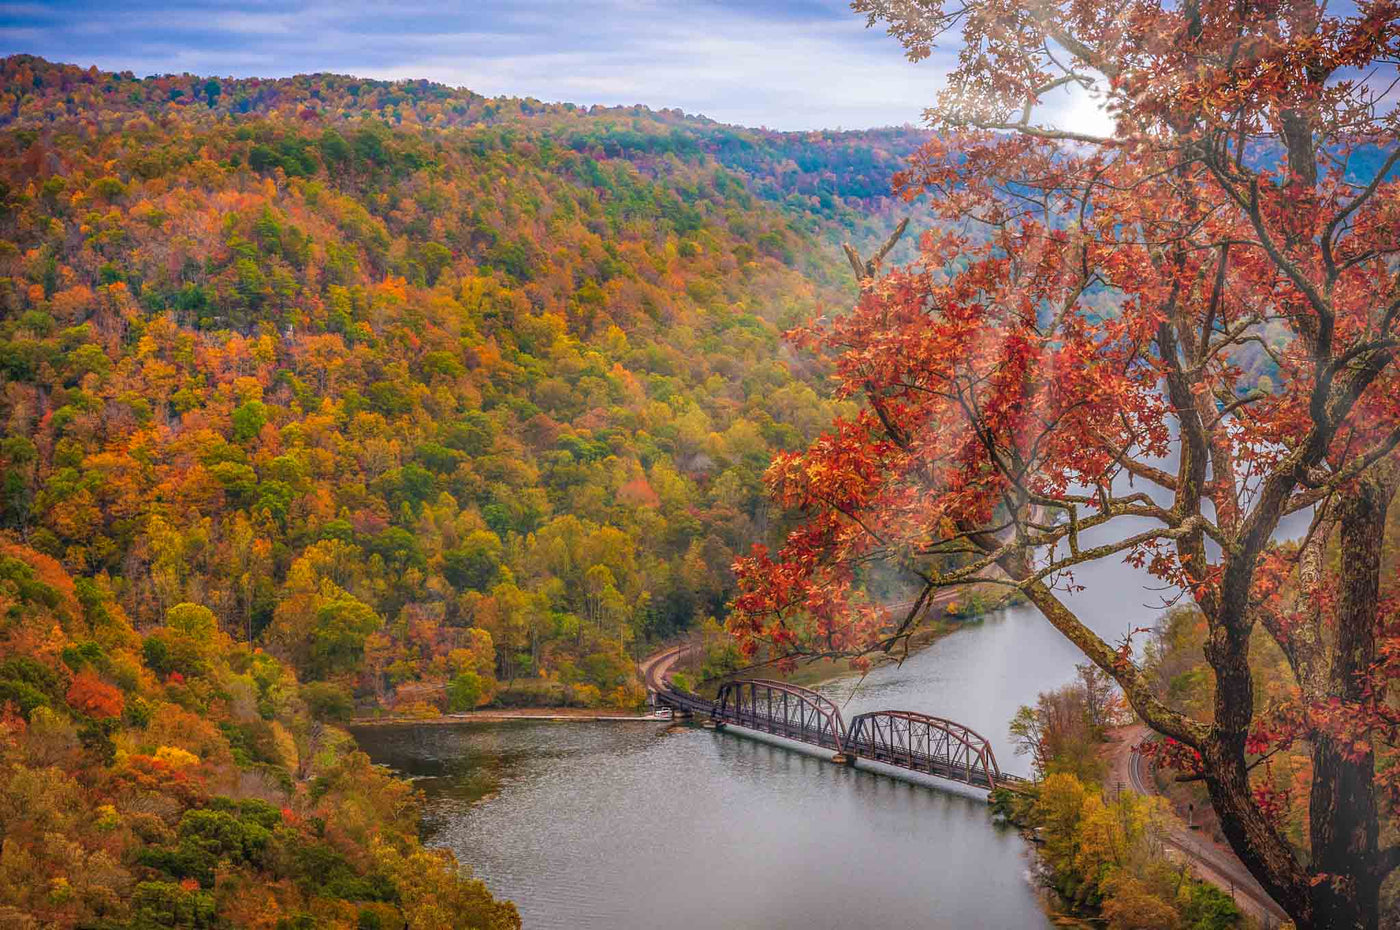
(904, 739)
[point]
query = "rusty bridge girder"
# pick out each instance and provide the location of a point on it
(781, 709)
(932, 745)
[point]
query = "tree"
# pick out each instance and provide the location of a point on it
(92, 696)
(194, 620)
(248, 419)
(1029, 737)
(1023, 388)
(1134, 907)
(466, 691)
(475, 564)
(17, 480)
(1062, 732)
(338, 638)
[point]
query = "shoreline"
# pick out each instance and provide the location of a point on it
(824, 671)
(812, 675)
(537, 714)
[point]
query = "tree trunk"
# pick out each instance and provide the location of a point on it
(1253, 838)
(1342, 809)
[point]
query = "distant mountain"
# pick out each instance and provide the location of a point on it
(838, 181)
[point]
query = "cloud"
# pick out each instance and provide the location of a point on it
(786, 64)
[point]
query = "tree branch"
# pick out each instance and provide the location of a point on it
(1135, 686)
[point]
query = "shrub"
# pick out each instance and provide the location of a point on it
(23, 695)
(166, 651)
(79, 656)
(1133, 906)
(31, 672)
(208, 836)
(328, 702)
(526, 693)
(138, 713)
(582, 695)
(166, 904)
(1209, 908)
(630, 696)
(175, 757)
(419, 710)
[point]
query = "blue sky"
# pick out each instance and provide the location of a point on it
(786, 64)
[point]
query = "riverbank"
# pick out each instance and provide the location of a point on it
(564, 798)
(506, 715)
(970, 608)
(586, 825)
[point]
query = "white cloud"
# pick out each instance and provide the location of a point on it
(775, 63)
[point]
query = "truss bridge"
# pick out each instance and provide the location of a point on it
(900, 738)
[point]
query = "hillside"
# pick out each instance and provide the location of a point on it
(325, 396)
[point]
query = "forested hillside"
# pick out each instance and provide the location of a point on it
(361, 387)
(325, 396)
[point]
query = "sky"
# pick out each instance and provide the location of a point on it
(784, 64)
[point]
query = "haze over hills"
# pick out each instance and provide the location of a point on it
(326, 397)
(839, 176)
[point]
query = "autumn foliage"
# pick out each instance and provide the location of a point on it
(215, 802)
(1162, 343)
(369, 369)
(93, 697)
(324, 396)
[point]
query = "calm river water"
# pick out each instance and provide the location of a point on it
(640, 825)
(623, 825)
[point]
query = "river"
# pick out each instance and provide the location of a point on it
(630, 825)
(620, 825)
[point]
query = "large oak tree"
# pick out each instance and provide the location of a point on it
(1069, 372)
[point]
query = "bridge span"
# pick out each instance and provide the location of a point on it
(900, 738)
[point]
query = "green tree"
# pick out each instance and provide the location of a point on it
(248, 420)
(475, 564)
(338, 637)
(465, 691)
